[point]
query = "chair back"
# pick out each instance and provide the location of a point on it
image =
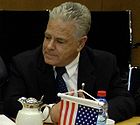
(134, 86)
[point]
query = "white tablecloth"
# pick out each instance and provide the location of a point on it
(5, 120)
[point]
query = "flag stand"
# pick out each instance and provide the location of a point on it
(83, 101)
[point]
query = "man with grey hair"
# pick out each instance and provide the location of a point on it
(33, 73)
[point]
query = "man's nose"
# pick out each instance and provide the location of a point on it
(51, 44)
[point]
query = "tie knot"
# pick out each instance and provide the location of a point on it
(60, 70)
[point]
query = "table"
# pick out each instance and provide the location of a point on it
(132, 121)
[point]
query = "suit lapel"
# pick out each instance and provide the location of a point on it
(86, 74)
(47, 80)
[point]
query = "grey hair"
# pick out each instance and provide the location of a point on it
(72, 11)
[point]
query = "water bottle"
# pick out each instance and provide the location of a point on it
(103, 114)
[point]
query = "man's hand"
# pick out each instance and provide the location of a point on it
(55, 112)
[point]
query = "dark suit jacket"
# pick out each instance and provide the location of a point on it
(31, 77)
(137, 100)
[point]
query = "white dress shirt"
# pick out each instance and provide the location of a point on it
(70, 77)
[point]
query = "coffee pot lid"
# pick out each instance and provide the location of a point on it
(30, 102)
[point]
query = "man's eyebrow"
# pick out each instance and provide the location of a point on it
(58, 38)
(46, 33)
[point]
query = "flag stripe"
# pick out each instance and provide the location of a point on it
(75, 114)
(69, 112)
(72, 112)
(61, 114)
(66, 111)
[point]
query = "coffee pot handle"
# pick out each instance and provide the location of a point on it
(45, 113)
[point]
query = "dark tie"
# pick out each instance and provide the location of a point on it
(59, 79)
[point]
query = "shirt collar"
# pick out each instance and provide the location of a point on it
(71, 68)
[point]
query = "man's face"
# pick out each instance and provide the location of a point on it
(60, 46)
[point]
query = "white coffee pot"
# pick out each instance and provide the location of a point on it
(31, 113)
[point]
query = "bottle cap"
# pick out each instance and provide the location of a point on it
(101, 93)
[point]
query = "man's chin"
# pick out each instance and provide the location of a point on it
(50, 62)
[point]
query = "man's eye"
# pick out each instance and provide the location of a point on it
(47, 37)
(61, 41)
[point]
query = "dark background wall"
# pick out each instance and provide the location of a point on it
(93, 5)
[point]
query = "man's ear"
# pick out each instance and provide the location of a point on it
(81, 43)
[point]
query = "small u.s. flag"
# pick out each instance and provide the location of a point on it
(76, 114)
